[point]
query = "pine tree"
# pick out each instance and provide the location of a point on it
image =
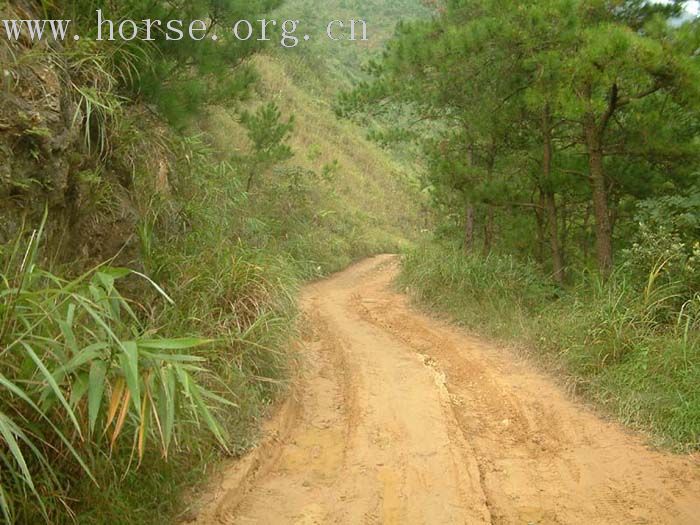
(523, 90)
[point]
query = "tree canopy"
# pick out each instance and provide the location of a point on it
(556, 118)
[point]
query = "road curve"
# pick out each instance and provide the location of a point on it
(399, 418)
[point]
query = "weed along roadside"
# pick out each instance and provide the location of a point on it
(196, 321)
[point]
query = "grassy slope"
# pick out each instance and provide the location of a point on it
(366, 203)
(369, 202)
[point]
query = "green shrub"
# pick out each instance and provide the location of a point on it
(667, 241)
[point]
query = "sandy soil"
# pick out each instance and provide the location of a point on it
(399, 418)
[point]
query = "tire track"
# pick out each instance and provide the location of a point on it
(404, 419)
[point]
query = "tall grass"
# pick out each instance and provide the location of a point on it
(628, 346)
(82, 376)
(241, 295)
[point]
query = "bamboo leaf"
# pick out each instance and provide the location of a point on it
(86, 355)
(78, 388)
(213, 425)
(174, 344)
(23, 396)
(130, 366)
(54, 386)
(8, 430)
(122, 417)
(117, 392)
(68, 336)
(98, 370)
(142, 427)
(170, 402)
(4, 506)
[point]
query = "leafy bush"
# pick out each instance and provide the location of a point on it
(667, 240)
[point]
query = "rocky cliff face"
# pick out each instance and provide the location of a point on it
(37, 132)
(67, 143)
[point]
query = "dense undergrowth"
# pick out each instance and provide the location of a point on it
(631, 346)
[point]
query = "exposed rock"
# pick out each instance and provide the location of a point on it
(45, 160)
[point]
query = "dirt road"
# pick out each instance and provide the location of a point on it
(402, 419)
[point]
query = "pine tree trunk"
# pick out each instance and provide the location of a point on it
(601, 211)
(539, 218)
(550, 204)
(488, 230)
(552, 221)
(469, 229)
(585, 245)
(490, 210)
(564, 231)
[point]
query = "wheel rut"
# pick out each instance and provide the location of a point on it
(400, 418)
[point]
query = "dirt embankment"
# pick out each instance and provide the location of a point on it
(403, 419)
(72, 145)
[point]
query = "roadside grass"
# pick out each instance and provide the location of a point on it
(627, 349)
(165, 410)
(82, 374)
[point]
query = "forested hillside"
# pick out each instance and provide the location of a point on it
(561, 140)
(161, 202)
